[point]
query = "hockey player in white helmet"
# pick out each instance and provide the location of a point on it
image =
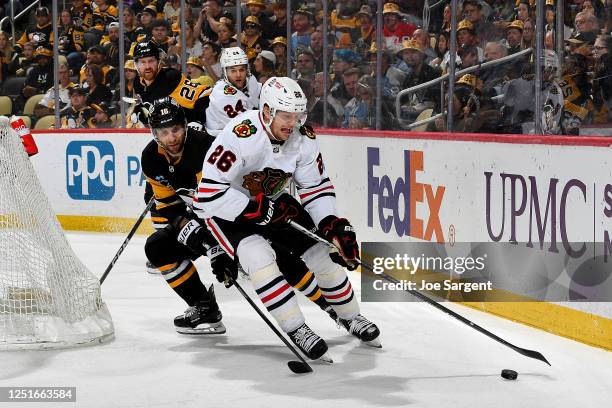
(237, 92)
(243, 190)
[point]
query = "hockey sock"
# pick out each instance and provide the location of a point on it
(185, 281)
(333, 281)
(297, 275)
(278, 297)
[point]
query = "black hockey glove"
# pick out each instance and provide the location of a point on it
(190, 233)
(141, 113)
(224, 268)
(340, 232)
(264, 211)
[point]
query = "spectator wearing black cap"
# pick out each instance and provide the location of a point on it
(97, 55)
(78, 115)
(139, 5)
(41, 33)
(104, 112)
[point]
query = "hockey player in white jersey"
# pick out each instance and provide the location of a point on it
(272, 145)
(235, 93)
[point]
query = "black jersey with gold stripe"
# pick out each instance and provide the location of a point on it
(192, 96)
(167, 176)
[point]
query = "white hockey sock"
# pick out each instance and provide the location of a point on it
(278, 297)
(333, 281)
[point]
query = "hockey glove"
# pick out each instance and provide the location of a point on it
(340, 232)
(264, 211)
(190, 233)
(224, 268)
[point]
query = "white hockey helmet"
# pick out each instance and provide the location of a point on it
(282, 94)
(231, 57)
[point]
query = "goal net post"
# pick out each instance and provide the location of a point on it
(48, 298)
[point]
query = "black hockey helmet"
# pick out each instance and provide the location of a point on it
(166, 112)
(146, 49)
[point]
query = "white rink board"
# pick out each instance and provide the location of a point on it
(581, 184)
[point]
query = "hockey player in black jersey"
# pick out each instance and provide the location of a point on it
(155, 82)
(172, 164)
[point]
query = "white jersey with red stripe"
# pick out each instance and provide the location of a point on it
(227, 102)
(244, 147)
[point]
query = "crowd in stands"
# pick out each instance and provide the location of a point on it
(576, 88)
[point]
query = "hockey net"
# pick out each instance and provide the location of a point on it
(48, 298)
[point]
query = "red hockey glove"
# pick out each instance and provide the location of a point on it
(340, 232)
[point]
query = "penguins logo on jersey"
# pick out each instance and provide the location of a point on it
(245, 128)
(229, 90)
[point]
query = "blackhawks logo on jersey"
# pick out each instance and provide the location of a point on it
(245, 128)
(307, 131)
(229, 90)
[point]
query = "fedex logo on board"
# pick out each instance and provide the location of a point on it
(405, 193)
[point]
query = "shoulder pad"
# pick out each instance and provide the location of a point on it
(307, 131)
(245, 128)
(229, 90)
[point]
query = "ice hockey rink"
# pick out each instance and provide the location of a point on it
(428, 359)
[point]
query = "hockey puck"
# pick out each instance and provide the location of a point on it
(509, 374)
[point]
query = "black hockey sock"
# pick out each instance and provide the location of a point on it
(183, 278)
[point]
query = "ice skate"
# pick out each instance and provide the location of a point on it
(202, 318)
(363, 329)
(310, 344)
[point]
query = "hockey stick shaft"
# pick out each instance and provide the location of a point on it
(269, 323)
(528, 353)
(127, 239)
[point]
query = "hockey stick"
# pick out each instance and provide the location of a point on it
(127, 239)
(298, 367)
(528, 353)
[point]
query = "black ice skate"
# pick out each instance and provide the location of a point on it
(311, 345)
(363, 329)
(202, 318)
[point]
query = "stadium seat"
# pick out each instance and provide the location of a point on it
(12, 86)
(6, 105)
(422, 116)
(45, 122)
(28, 109)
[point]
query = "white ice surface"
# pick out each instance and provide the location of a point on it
(428, 359)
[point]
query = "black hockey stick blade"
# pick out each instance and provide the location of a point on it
(299, 368)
